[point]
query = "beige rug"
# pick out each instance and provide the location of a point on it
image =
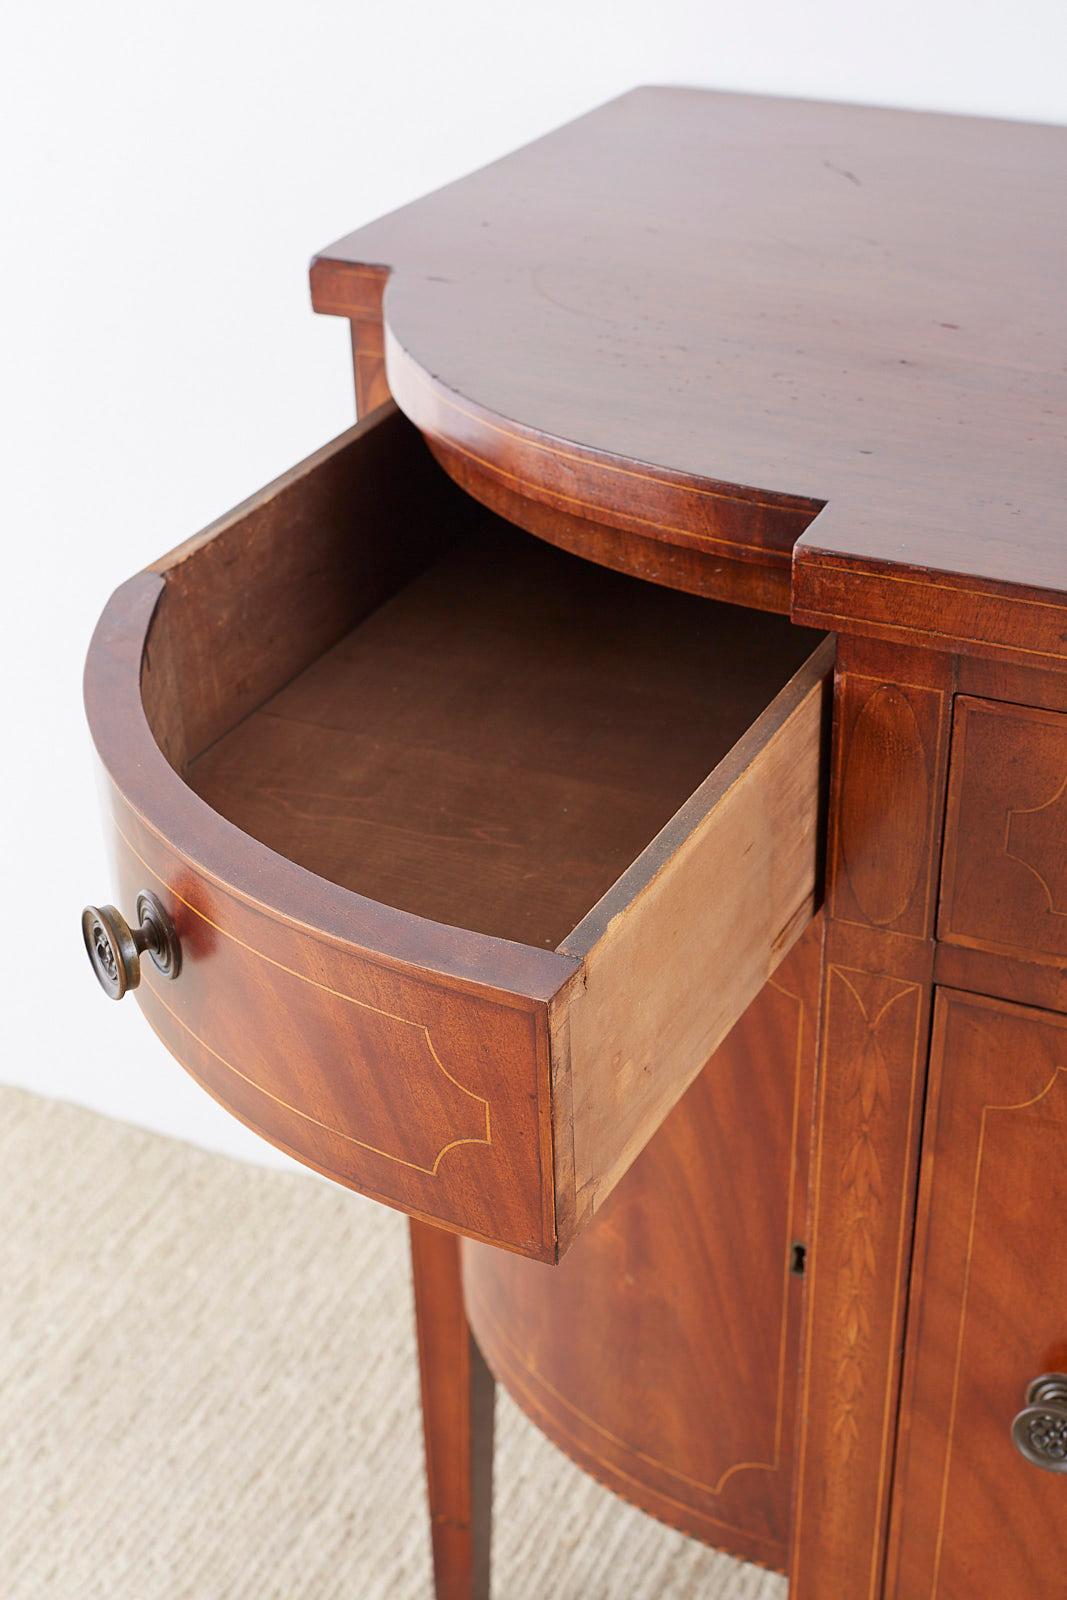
(209, 1393)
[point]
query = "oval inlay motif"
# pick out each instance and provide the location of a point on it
(885, 798)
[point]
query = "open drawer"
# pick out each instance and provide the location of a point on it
(475, 850)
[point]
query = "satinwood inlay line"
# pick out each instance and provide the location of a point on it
(305, 1116)
(1032, 811)
(1020, 1105)
(365, 1005)
(774, 1465)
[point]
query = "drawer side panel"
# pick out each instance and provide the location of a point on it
(675, 965)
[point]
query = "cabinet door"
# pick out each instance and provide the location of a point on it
(988, 1315)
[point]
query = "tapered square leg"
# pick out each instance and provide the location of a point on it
(458, 1396)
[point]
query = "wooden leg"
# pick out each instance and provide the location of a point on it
(458, 1393)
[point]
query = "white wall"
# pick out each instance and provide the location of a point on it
(168, 169)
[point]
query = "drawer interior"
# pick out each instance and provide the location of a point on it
(495, 743)
(486, 735)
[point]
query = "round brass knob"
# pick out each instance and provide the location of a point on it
(115, 949)
(1039, 1432)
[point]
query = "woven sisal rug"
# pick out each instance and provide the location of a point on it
(209, 1392)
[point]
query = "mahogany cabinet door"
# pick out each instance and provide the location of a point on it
(971, 1516)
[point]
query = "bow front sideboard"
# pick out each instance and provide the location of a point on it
(612, 805)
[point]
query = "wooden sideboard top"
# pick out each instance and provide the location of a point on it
(755, 319)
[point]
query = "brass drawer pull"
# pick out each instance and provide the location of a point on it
(115, 949)
(1039, 1432)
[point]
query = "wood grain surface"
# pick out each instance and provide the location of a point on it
(700, 938)
(502, 739)
(758, 328)
(661, 1354)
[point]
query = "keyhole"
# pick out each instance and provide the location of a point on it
(798, 1257)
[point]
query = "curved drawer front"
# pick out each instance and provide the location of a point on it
(468, 884)
(429, 1096)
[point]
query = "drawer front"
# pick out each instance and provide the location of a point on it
(407, 1086)
(499, 1088)
(972, 1516)
(1004, 884)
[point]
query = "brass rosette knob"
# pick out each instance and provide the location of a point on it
(115, 949)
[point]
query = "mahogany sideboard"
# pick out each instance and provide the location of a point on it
(612, 804)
